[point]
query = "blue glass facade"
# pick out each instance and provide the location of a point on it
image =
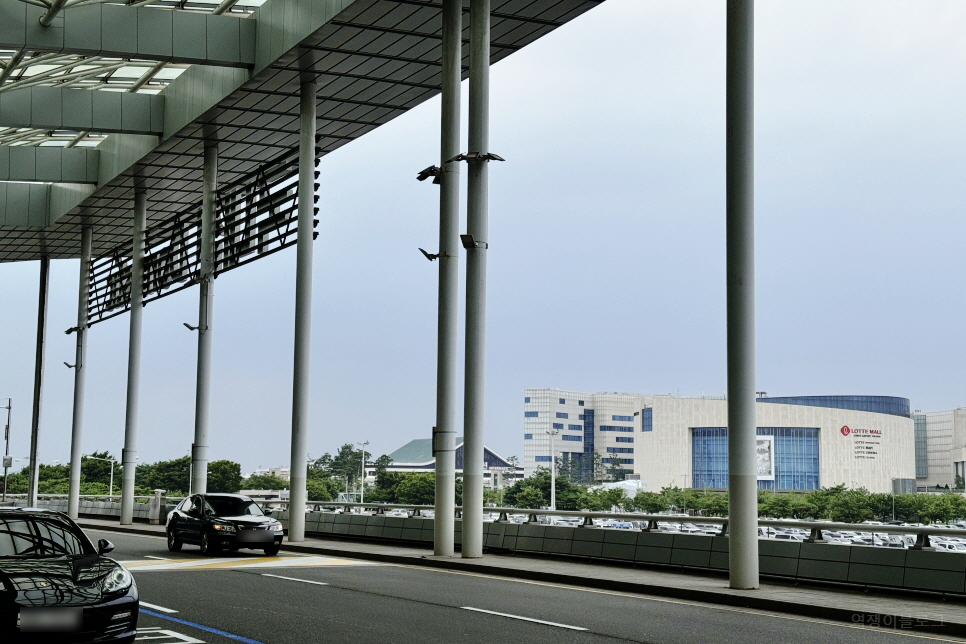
(795, 452)
(878, 404)
(647, 420)
(922, 460)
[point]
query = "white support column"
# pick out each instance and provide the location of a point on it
(740, 231)
(129, 453)
(476, 244)
(80, 374)
(199, 448)
(303, 311)
(444, 439)
(33, 470)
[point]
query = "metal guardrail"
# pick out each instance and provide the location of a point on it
(815, 528)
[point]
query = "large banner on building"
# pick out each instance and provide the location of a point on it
(765, 457)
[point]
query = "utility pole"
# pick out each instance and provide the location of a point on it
(6, 450)
(362, 481)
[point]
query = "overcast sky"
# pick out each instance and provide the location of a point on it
(606, 260)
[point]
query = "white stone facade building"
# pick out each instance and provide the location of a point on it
(804, 442)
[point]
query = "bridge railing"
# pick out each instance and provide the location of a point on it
(650, 522)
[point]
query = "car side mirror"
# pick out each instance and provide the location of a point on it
(104, 546)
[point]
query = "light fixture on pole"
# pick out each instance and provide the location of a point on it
(110, 493)
(362, 481)
(553, 470)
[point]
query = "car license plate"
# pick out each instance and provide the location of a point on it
(256, 536)
(51, 620)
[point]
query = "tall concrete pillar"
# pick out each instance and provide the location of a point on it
(80, 374)
(740, 248)
(129, 453)
(444, 440)
(33, 482)
(303, 311)
(199, 449)
(476, 247)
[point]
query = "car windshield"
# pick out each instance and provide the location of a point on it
(229, 507)
(39, 537)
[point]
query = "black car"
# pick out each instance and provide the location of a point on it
(222, 521)
(59, 587)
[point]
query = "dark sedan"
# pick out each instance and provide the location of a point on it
(222, 521)
(57, 587)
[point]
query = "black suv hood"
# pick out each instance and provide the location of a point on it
(71, 580)
(247, 520)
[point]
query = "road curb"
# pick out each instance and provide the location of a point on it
(886, 622)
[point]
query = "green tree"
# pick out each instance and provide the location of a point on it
(648, 502)
(347, 463)
(615, 471)
(264, 482)
(95, 471)
(173, 476)
(714, 504)
(601, 500)
(417, 489)
(321, 489)
(224, 476)
(529, 498)
(850, 506)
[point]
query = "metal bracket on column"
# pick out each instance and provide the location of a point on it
(432, 171)
(202, 328)
(477, 156)
(430, 256)
(469, 242)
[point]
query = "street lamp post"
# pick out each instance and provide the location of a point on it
(362, 481)
(6, 449)
(553, 470)
(110, 493)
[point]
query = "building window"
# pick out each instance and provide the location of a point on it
(623, 419)
(622, 461)
(567, 437)
(558, 425)
(563, 401)
(526, 399)
(625, 439)
(528, 437)
(647, 419)
(542, 459)
(795, 452)
(620, 450)
(575, 428)
(580, 402)
(615, 428)
(581, 417)
(531, 414)
(562, 414)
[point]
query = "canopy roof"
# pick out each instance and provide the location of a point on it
(191, 75)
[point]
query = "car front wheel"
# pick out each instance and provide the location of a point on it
(174, 544)
(208, 547)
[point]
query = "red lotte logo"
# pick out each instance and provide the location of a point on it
(845, 430)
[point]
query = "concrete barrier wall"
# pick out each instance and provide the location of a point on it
(89, 508)
(863, 565)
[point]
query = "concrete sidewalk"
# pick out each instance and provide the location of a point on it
(867, 607)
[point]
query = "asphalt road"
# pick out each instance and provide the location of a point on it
(290, 599)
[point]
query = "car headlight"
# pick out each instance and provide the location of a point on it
(224, 527)
(275, 525)
(118, 579)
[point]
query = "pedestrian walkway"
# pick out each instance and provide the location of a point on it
(868, 607)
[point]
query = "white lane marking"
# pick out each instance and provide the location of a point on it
(157, 633)
(525, 619)
(708, 605)
(304, 581)
(161, 558)
(160, 609)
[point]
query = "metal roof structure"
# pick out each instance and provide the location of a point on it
(140, 87)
